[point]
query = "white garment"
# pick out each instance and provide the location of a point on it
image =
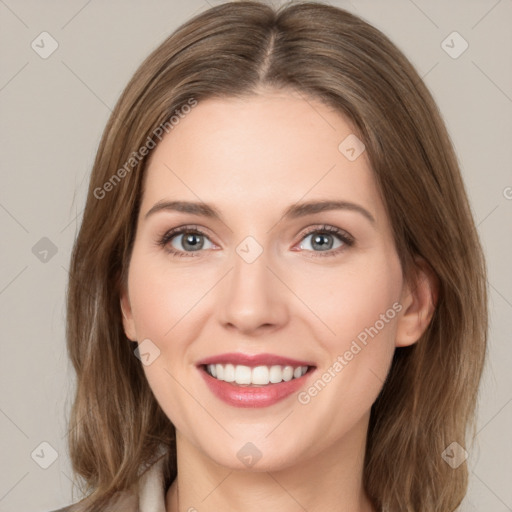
(151, 489)
(150, 495)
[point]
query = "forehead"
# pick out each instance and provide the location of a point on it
(267, 149)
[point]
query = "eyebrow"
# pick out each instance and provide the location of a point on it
(292, 212)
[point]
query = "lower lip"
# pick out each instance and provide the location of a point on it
(252, 396)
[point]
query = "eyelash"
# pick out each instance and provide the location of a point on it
(343, 236)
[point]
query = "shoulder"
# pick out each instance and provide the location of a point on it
(147, 496)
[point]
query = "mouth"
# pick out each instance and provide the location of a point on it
(259, 380)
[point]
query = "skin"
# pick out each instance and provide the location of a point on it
(252, 158)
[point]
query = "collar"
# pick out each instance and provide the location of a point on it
(151, 489)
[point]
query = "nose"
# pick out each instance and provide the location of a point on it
(252, 300)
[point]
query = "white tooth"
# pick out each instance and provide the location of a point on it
(260, 375)
(275, 374)
(229, 373)
(288, 373)
(242, 374)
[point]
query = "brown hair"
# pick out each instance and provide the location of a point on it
(233, 49)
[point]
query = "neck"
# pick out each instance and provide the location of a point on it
(331, 480)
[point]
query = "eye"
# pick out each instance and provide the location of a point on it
(185, 240)
(326, 239)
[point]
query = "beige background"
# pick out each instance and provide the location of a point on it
(53, 112)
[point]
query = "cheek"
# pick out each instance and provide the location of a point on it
(163, 310)
(350, 301)
(360, 308)
(163, 297)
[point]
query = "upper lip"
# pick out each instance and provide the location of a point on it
(252, 360)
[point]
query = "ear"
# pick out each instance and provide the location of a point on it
(419, 299)
(126, 311)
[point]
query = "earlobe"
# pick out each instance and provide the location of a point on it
(128, 322)
(419, 299)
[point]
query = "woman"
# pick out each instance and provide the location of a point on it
(277, 221)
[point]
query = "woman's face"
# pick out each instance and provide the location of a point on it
(269, 279)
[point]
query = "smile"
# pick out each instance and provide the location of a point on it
(259, 380)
